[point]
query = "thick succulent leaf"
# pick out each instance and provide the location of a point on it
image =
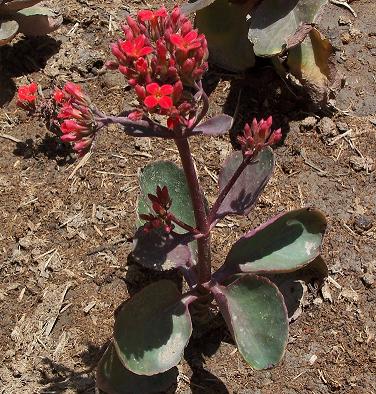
(16, 5)
(217, 125)
(274, 22)
(311, 64)
(285, 243)
(37, 21)
(256, 315)
(225, 26)
(113, 378)
(165, 173)
(161, 251)
(248, 187)
(8, 29)
(194, 6)
(152, 329)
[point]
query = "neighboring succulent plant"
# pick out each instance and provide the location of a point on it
(237, 31)
(22, 16)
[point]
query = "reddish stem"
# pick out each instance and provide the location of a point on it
(203, 243)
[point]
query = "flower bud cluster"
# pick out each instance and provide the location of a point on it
(161, 203)
(162, 53)
(76, 119)
(258, 136)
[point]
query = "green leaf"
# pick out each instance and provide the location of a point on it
(165, 173)
(225, 26)
(274, 22)
(37, 21)
(113, 378)
(8, 29)
(256, 315)
(250, 184)
(16, 5)
(311, 64)
(152, 329)
(285, 243)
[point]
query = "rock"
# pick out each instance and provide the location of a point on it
(349, 295)
(308, 123)
(362, 223)
(345, 38)
(327, 128)
(342, 21)
(368, 279)
(342, 127)
(361, 163)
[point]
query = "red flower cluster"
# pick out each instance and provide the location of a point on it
(77, 120)
(27, 96)
(161, 203)
(258, 136)
(161, 53)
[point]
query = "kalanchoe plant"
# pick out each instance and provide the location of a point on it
(23, 16)
(285, 31)
(163, 59)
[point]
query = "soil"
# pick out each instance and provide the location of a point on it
(65, 233)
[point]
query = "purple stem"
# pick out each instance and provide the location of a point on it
(140, 128)
(226, 189)
(203, 243)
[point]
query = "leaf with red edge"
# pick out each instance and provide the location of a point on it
(246, 190)
(285, 243)
(153, 328)
(217, 125)
(256, 315)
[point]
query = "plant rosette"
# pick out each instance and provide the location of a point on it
(163, 58)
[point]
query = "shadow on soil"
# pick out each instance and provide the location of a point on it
(57, 378)
(22, 58)
(258, 93)
(50, 146)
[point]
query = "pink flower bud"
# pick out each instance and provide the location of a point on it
(186, 28)
(275, 137)
(140, 91)
(82, 145)
(74, 90)
(68, 137)
(133, 25)
(177, 92)
(188, 66)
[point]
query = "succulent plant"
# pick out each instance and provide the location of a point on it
(283, 30)
(23, 16)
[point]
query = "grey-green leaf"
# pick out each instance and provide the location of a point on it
(165, 173)
(37, 21)
(273, 22)
(113, 378)
(256, 315)
(152, 329)
(16, 5)
(285, 243)
(225, 26)
(8, 29)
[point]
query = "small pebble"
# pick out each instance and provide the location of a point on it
(308, 123)
(368, 279)
(342, 127)
(363, 223)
